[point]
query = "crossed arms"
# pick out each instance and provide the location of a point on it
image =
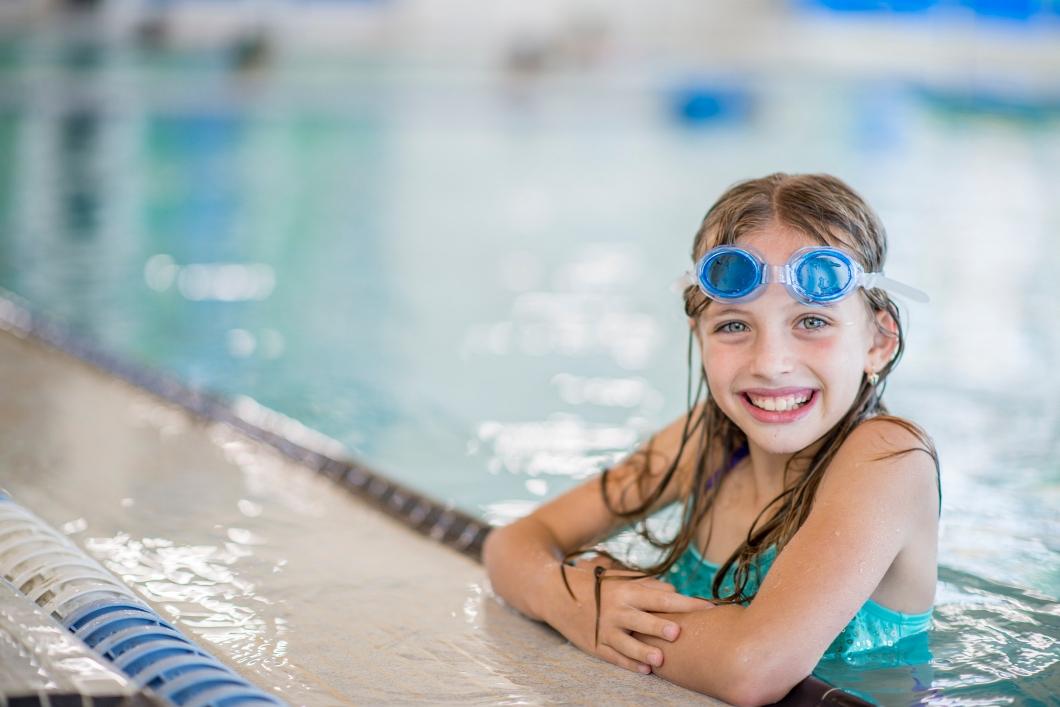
(865, 512)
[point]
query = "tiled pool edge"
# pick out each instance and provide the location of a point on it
(451, 527)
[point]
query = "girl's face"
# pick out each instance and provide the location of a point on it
(783, 371)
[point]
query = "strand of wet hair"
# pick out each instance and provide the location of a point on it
(686, 432)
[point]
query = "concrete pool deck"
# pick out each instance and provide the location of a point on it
(305, 590)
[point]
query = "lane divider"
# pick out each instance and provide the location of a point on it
(96, 607)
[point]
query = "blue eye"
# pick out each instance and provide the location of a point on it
(817, 322)
(726, 328)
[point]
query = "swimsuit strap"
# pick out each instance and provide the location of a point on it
(737, 456)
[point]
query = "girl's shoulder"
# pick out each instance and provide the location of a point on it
(893, 436)
(897, 450)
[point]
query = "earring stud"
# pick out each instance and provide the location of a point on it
(873, 377)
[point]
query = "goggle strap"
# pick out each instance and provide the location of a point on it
(687, 278)
(870, 280)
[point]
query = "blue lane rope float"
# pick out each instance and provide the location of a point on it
(97, 608)
(42, 664)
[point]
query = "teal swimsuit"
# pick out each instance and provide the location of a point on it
(874, 626)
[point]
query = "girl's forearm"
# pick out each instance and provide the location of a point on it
(705, 657)
(523, 563)
(718, 653)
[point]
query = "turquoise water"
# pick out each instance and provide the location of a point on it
(465, 278)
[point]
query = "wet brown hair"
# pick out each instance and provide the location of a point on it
(828, 211)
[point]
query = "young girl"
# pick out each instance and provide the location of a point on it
(810, 515)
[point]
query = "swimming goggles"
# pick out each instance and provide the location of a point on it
(815, 275)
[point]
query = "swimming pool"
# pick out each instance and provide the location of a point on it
(468, 285)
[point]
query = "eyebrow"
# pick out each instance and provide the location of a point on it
(726, 309)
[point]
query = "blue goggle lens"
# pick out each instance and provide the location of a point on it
(823, 276)
(731, 274)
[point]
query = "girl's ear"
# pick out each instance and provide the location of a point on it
(884, 345)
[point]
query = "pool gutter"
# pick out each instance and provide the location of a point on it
(449, 526)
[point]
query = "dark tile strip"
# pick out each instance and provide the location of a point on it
(450, 526)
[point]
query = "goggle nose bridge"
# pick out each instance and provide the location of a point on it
(774, 273)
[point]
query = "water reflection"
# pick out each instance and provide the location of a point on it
(898, 674)
(563, 446)
(198, 587)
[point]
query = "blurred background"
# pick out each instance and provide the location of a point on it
(444, 234)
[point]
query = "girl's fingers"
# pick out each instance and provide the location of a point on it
(612, 656)
(630, 647)
(650, 625)
(669, 602)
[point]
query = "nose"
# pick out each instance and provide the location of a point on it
(771, 355)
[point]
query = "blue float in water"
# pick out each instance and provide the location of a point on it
(696, 104)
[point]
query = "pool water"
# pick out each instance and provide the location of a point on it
(467, 282)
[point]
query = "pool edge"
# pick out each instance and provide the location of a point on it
(446, 524)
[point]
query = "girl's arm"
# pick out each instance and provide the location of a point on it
(523, 559)
(865, 511)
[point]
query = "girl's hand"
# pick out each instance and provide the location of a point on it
(626, 606)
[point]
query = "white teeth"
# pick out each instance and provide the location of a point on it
(781, 404)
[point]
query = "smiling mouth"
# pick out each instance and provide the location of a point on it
(783, 403)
